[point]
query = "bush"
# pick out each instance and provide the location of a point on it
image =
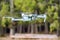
(6, 22)
(54, 26)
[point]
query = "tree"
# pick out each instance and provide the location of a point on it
(52, 11)
(39, 22)
(24, 6)
(50, 7)
(53, 26)
(11, 12)
(4, 10)
(58, 29)
(20, 23)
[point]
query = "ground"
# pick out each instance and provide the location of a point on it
(38, 37)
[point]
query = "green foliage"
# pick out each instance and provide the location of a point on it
(50, 8)
(6, 22)
(52, 13)
(3, 22)
(54, 26)
(39, 20)
(16, 15)
(25, 5)
(20, 22)
(40, 1)
(42, 6)
(51, 1)
(55, 15)
(4, 9)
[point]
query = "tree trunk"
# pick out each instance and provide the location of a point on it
(3, 31)
(11, 11)
(32, 29)
(40, 27)
(29, 28)
(46, 27)
(11, 6)
(12, 31)
(21, 28)
(58, 31)
(37, 9)
(17, 28)
(58, 28)
(36, 30)
(0, 31)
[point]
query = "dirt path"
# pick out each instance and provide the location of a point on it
(29, 37)
(33, 36)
